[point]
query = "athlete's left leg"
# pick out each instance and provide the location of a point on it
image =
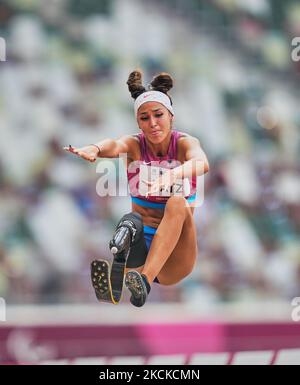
(172, 254)
(173, 251)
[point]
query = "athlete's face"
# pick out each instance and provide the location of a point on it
(155, 120)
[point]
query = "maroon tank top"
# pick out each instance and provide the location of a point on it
(148, 158)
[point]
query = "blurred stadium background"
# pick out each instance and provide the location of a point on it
(237, 90)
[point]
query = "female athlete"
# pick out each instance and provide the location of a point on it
(168, 250)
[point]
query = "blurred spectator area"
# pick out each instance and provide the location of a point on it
(236, 89)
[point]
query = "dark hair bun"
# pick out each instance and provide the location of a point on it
(135, 84)
(162, 82)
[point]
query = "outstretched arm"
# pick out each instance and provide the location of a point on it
(107, 148)
(196, 162)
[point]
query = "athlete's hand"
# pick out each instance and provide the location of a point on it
(163, 182)
(88, 152)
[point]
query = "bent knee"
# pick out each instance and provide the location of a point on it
(176, 200)
(176, 204)
(168, 279)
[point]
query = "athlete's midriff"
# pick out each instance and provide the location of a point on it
(151, 217)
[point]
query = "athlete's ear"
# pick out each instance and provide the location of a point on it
(171, 118)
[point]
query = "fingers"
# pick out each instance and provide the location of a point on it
(149, 185)
(79, 153)
(154, 189)
(157, 187)
(70, 149)
(147, 182)
(84, 156)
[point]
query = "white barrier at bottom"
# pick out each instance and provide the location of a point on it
(283, 357)
(2, 310)
(253, 358)
(288, 357)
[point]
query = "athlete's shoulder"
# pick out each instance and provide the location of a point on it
(132, 144)
(185, 138)
(130, 140)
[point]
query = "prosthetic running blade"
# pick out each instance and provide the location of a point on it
(108, 281)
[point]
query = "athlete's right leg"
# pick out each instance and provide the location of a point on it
(132, 241)
(128, 247)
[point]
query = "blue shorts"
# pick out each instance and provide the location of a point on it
(149, 233)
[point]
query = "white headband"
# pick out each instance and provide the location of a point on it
(153, 96)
